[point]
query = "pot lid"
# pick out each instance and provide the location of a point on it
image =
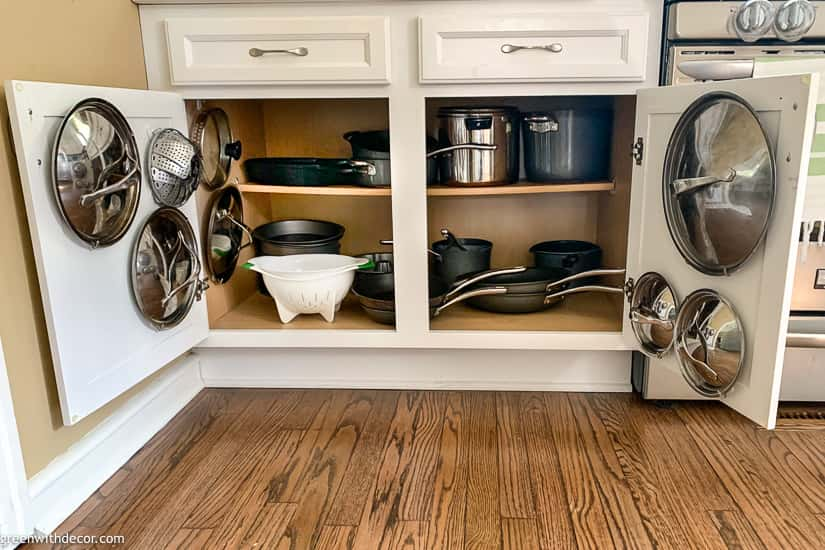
(213, 136)
(173, 166)
(719, 183)
(96, 172)
(225, 233)
(165, 269)
(709, 343)
(476, 111)
(653, 310)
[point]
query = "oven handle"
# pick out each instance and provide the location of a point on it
(719, 69)
(805, 340)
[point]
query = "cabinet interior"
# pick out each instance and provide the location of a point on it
(297, 128)
(513, 217)
(513, 223)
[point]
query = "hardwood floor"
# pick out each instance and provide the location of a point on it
(429, 470)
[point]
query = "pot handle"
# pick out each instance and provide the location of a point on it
(361, 167)
(584, 275)
(467, 295)
(473, 146)
(586, 288)
(541, 124)
(452, 241)
(481, 276)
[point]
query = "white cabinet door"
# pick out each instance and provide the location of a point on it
(759, 291)
(100, 344)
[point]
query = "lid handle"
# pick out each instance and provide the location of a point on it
(233, 150)
(683, 185)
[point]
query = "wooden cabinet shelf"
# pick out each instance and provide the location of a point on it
(258, 312)
(520, 188)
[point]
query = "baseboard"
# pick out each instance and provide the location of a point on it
(497, 370)
(61, 487)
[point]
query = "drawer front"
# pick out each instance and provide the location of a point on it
(542, 48)
(324, 50)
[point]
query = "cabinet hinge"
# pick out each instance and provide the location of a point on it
(639, 151)
(629, 285)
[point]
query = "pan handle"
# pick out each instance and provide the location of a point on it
(467, 295)
(584, 275)
(474, 146)
(587, 288)
(480, 277)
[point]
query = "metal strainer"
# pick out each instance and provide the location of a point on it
(174, 167)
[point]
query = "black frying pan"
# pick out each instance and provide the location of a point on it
(537, 289)
(307, 171)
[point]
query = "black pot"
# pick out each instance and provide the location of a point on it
(451, 262)
(571, 256)
(382, 275)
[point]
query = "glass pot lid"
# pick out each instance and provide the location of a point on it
(96, 172)
(719, 183)
(709, 343)
(653, 310)
(165, 269)
(225, 233)
(213, 136)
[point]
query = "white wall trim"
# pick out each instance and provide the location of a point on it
(14, 498)
(503, 370)
(61, 487)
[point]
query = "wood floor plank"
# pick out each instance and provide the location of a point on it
(585, 506)
(381, 514)
(519, 534)
(779, 521)
(515, 489)
(417, 491)
(623, 518)
(310, 408)
(202, 484)
(649, 486)
(446, 530)
(735, 530)
(554, 528)
(354, 492)
(322, 478)
(482, 520)
(410, 535)
(190, 539)
(336, 537)
(270, 523)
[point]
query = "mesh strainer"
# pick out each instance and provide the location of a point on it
(173, 168)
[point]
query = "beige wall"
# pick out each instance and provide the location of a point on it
(75, 41)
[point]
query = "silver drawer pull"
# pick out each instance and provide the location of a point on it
(683, 185)
(555, 47)
(300, 52)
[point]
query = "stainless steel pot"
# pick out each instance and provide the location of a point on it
(480, 146)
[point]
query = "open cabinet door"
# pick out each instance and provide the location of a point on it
(100, 343)
(708, 155)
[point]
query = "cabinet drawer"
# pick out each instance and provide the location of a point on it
(325, 50)
(576, 47)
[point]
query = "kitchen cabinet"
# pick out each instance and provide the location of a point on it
(281, 111)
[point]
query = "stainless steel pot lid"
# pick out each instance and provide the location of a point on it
(96, 172)
(225, 234)
(165, 269)
(653, 310)
(477, 111)
(709, 343)
(213, 136)
(719, 183)
(174, 167)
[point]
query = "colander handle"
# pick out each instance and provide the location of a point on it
(122, 184)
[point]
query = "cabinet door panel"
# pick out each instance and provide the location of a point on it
(760, 290)
(100, 344)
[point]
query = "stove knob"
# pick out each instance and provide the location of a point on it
(753, 19)
(793, 19)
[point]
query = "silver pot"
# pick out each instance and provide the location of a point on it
(480, 145)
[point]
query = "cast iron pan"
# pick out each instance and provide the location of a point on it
(306, 171)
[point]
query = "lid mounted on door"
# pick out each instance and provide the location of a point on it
(213, 136)
(710, 343)
(225, 233)
(653, 310)
(96, 172)
(165, 269)
(719, 183)
(174, 167)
